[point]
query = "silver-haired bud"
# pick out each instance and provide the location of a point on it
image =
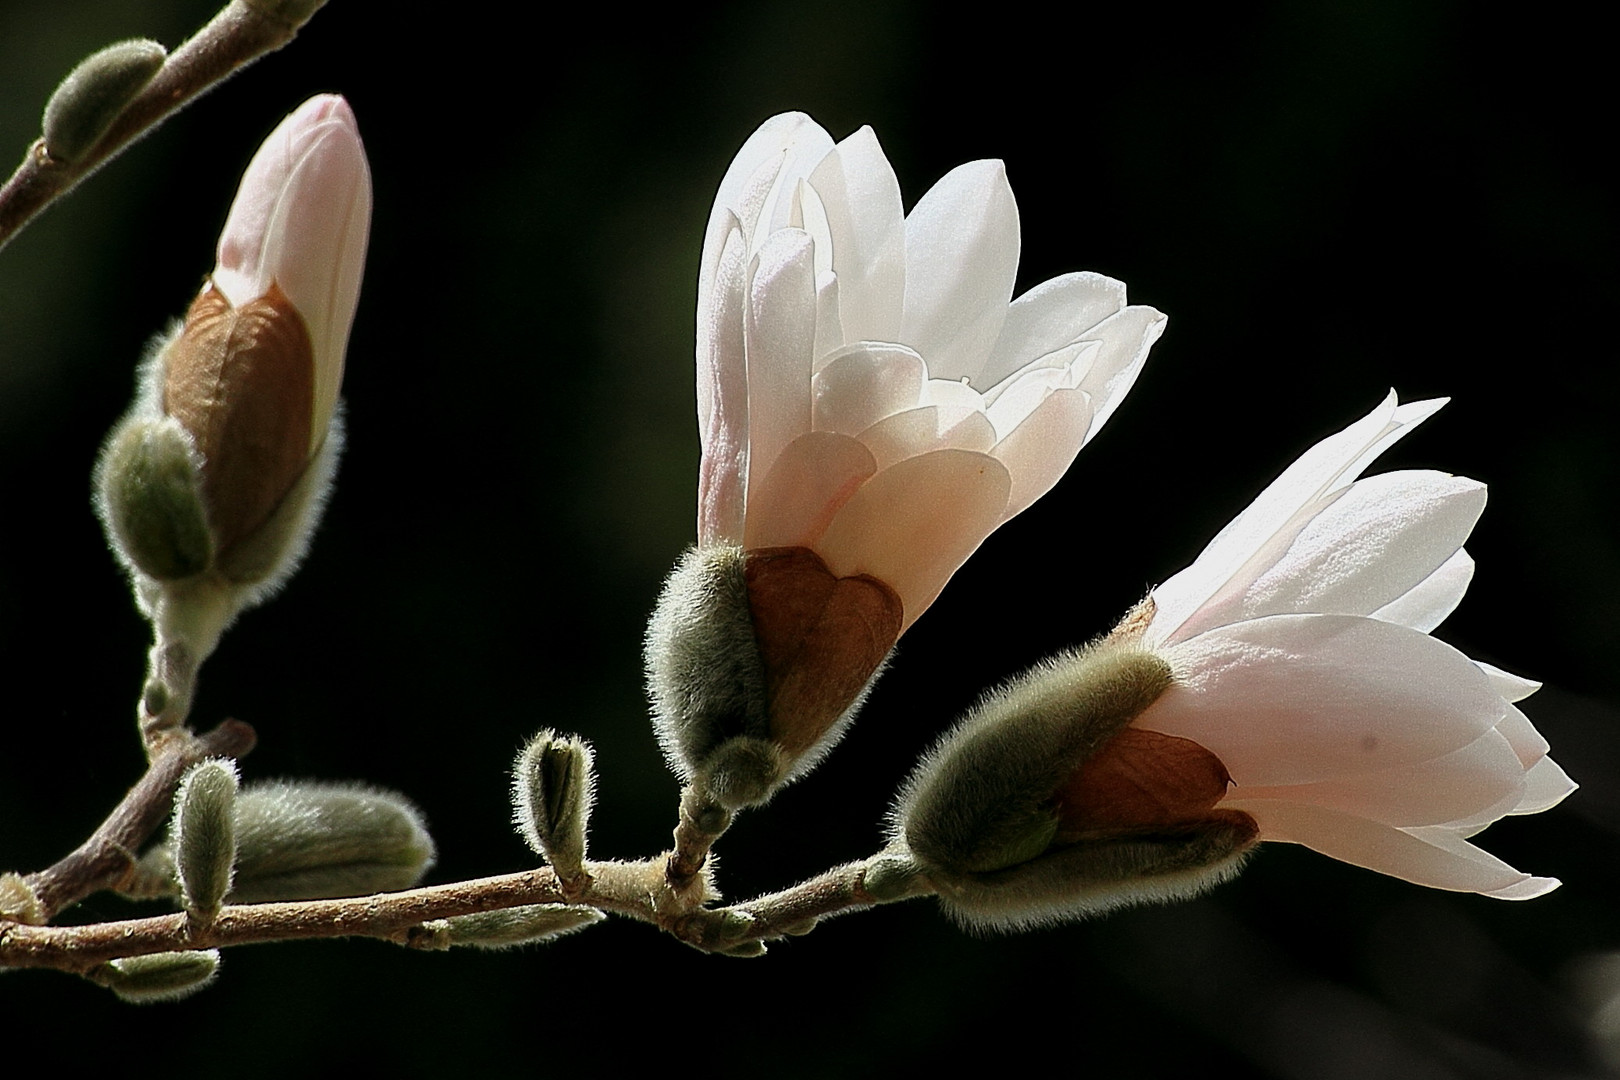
(761, 658)
(167, 976)
(1045, 804)
(18, 901)
(299, 840)
(95, 93)
(553, 788)
(205, 834)
(508, 928)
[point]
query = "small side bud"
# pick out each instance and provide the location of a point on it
(205, 834)
(95, 93)
(1044, 804)
(147, 486)
(553, 788)
(510, 927)
(892, 875)
(167, 976)
(18, 903)
(308, 841)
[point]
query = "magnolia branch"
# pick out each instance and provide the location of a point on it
(239, 34)
(633, 889)
(107, 859)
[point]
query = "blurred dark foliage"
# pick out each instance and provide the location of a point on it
(1328, 199)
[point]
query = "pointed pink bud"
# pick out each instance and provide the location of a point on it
(300, 221)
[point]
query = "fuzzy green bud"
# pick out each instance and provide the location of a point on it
(147, 484)
(305, 841)
(553, 788)
(508, 928)
(205, 834)
(167, 976)
(95, 93)
(1044, 804)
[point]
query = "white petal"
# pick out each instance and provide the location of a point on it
(1126, 338)
(1426, 856)
(1280, 512)
(1545, 786)
(759, 184)
(781, 328)
(1372, 545)
(1485, 775)
(722, 384)
(1521, 734)
(811, 481)
(1049, 316)
(925, 429)
(1042, 447)
(1296, 699)
(1513, 687)
(865, 382)
(1427, 604)
(860, 198)
(915, 522)
(961, 257)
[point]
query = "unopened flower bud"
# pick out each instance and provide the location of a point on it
(167, 976)
(552, 792)
(94, 95)
(210, 487)
(1043, 804)
(757, 660)
(508, 928)
(205, 834)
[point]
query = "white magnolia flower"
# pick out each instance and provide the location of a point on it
(1300, 644)
(867, 387)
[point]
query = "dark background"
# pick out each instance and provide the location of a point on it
(1328, 199)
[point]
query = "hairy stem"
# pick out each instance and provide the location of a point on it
(234, 38)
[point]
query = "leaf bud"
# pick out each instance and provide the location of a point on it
(96, 93)
(508, 928)
(18, 902)
(166, 976)
(1044, 803)
(205, 834)
(301, 840)
(553, 788)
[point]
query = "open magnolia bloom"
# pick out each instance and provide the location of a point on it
(872, 404)
(210, 486)
(1283, 687)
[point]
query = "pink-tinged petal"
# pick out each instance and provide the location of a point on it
(1482, 777)
(722, 385)
(1297, 699)
(1428, 603)
(1126, 339)
(860, 199)
(1522, 735)
(759, 183)
(865, 382)
(1545, 786)
(915, 522)
(961, 258)
(301, 220)
(1375, 543)
(811, 481)
(1429, 856)
(926, 429)
(1241, 551)
(780, 331)
(1513, 687)
(1042, 447)
(1048, 317)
